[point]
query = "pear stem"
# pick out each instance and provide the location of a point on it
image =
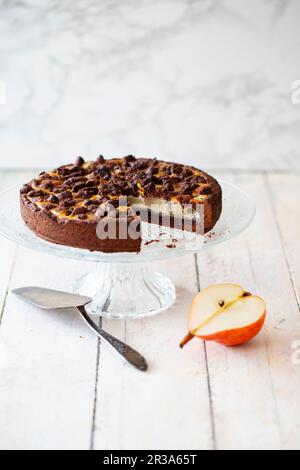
(186, 339)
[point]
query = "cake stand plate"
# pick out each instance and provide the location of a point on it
(122, 285)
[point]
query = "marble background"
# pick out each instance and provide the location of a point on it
(201, 81)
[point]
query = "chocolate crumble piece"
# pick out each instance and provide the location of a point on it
(35, 193)
(79, 161)
(79, 210)
(53, 199)
(78, 186)
(168, 187)
(63, 171)
(50, 206)
(186, 173)
(75, 179)
(65, 195)
(149, 187)
(66, 203)
(89, 202)
(58, 189)
(204, 190)
(103, 172)
(176, 169)
(93, 182)
(88, 192)
(48, 185)
(100, 159)
(130, 158)
(26, 189)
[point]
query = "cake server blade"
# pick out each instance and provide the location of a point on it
(51, 299)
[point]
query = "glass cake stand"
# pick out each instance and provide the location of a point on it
(122, 285)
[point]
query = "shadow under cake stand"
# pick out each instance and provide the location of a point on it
(122, 285)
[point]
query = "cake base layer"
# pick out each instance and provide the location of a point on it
(74, 233)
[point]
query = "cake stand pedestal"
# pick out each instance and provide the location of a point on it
(122, 285)
(126, 290)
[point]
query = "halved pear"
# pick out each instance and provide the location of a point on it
(227, 314)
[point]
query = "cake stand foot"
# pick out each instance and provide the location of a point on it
(126, 290)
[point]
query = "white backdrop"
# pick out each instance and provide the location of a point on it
(200, 81)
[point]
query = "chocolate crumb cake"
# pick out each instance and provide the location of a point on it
(71, 204)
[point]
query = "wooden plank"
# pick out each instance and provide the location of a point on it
(285, 194)
(47, 364)
(7, 248)
(254, 386)
(168, 407)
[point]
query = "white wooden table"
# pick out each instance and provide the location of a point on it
(60, 389)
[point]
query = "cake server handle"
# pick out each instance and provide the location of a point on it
(126, 352)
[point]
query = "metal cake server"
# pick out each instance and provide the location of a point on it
(53, 299)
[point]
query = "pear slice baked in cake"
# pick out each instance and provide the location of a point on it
(73, 204)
